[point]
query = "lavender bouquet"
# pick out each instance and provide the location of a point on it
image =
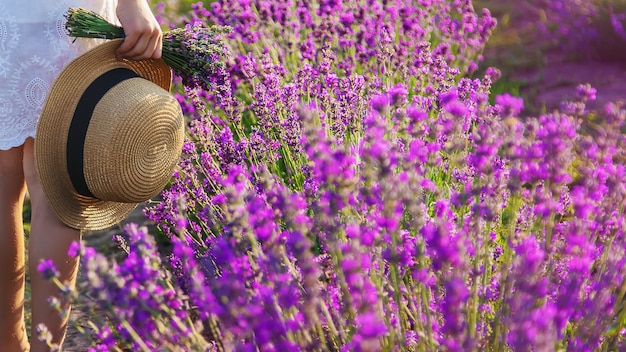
(194, 53)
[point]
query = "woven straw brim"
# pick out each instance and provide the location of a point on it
(74, 210)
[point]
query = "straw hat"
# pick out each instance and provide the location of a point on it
(109, 137)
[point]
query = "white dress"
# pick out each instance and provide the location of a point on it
(34, 48)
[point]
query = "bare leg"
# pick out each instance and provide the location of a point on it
(12, 270)
(49, 239)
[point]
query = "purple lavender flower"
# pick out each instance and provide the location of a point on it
(586, 93)
(510, 106)
(530, 324)
(48, 269)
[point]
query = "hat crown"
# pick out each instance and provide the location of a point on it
(133, 142)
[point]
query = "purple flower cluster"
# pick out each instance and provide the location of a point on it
(375, 38)
(196, 53)
(351, 190)
(134, 302)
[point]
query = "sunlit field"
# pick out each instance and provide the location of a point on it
(377, 176)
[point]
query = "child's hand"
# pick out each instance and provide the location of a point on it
(143, 33)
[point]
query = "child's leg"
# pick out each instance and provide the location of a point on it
(12, 188)
(49, 239)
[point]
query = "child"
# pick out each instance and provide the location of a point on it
(33, 50)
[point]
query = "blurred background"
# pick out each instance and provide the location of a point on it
(547, 47)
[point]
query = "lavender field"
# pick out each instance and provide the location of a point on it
(354, 182)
